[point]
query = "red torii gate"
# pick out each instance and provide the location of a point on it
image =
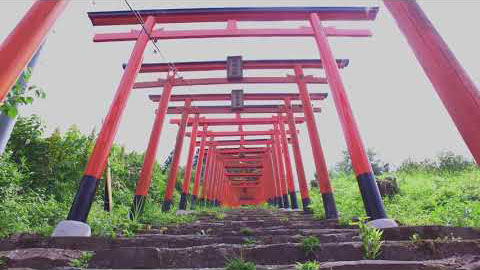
(235, 121)
(96, 165)
(298, 78)
(455, 88)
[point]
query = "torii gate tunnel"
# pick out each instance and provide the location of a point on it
(233, 172)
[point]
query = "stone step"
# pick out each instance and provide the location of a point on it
(217, 255)
(240, 226)
(161, 241)
(251, 231)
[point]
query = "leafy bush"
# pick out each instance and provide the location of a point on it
(378, 166)
(309, 244)
(249, 241)
(20, 95)
(371, 239)
(445, 162)
(39, 176)
(429, 194)
(83, 261)
(240, 264)
(246, 231)
(310, 265)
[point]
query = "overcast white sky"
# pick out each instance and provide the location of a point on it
(398, 112)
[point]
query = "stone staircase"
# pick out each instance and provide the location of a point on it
(270, 239)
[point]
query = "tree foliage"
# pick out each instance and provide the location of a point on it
(39, 176)
(378, 166)
(21, 95)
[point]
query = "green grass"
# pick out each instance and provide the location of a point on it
(3, 263)
(425, 198)
(249, 241)
(215, 212)
(246, 231)
(310, 265)
(240, 264)
(309, 244)
(371, 239)
(83, 261)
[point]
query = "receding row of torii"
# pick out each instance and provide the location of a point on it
(261, 167)
(213, 183)
(270, 179)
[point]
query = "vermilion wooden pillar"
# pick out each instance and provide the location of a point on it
(145, 179)
(276, 173)
(215, 181)
(266, 181)
(188, 168)
(288, 163)
(198, 172)
(98, 159)
(207, 172)
(25, 39)
(172, 175)
(302, 181)
(366, 180)
(211, 175)
(320, 164)
(271, 179)
(459, 94)
(281, 167)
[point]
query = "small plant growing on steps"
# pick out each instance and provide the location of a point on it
(371, 239)
(246, 231)
(309, 244)
(240, 264)
(3, 263)
(415, 238)
(284, 219)
(249, 241)
(82, 261)
(309, 265)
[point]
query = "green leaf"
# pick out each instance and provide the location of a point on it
(12, 112)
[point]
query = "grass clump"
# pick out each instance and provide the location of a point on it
(246, 231)
(249, 241)
(39, 176)
(415, 238)
(445, 191)
(309, 244)
(309, 265)
(240, 264)
(371, 239)
(83, 261)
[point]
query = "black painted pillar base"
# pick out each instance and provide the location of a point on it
(194, 200)
(106, 199)
(305, 204)
(279, 202)
(329, 206)
(83, 199)
(182, 205)
(293, 200)
(286, 204)
(372, 199)
(167, 204)
(137, 206)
